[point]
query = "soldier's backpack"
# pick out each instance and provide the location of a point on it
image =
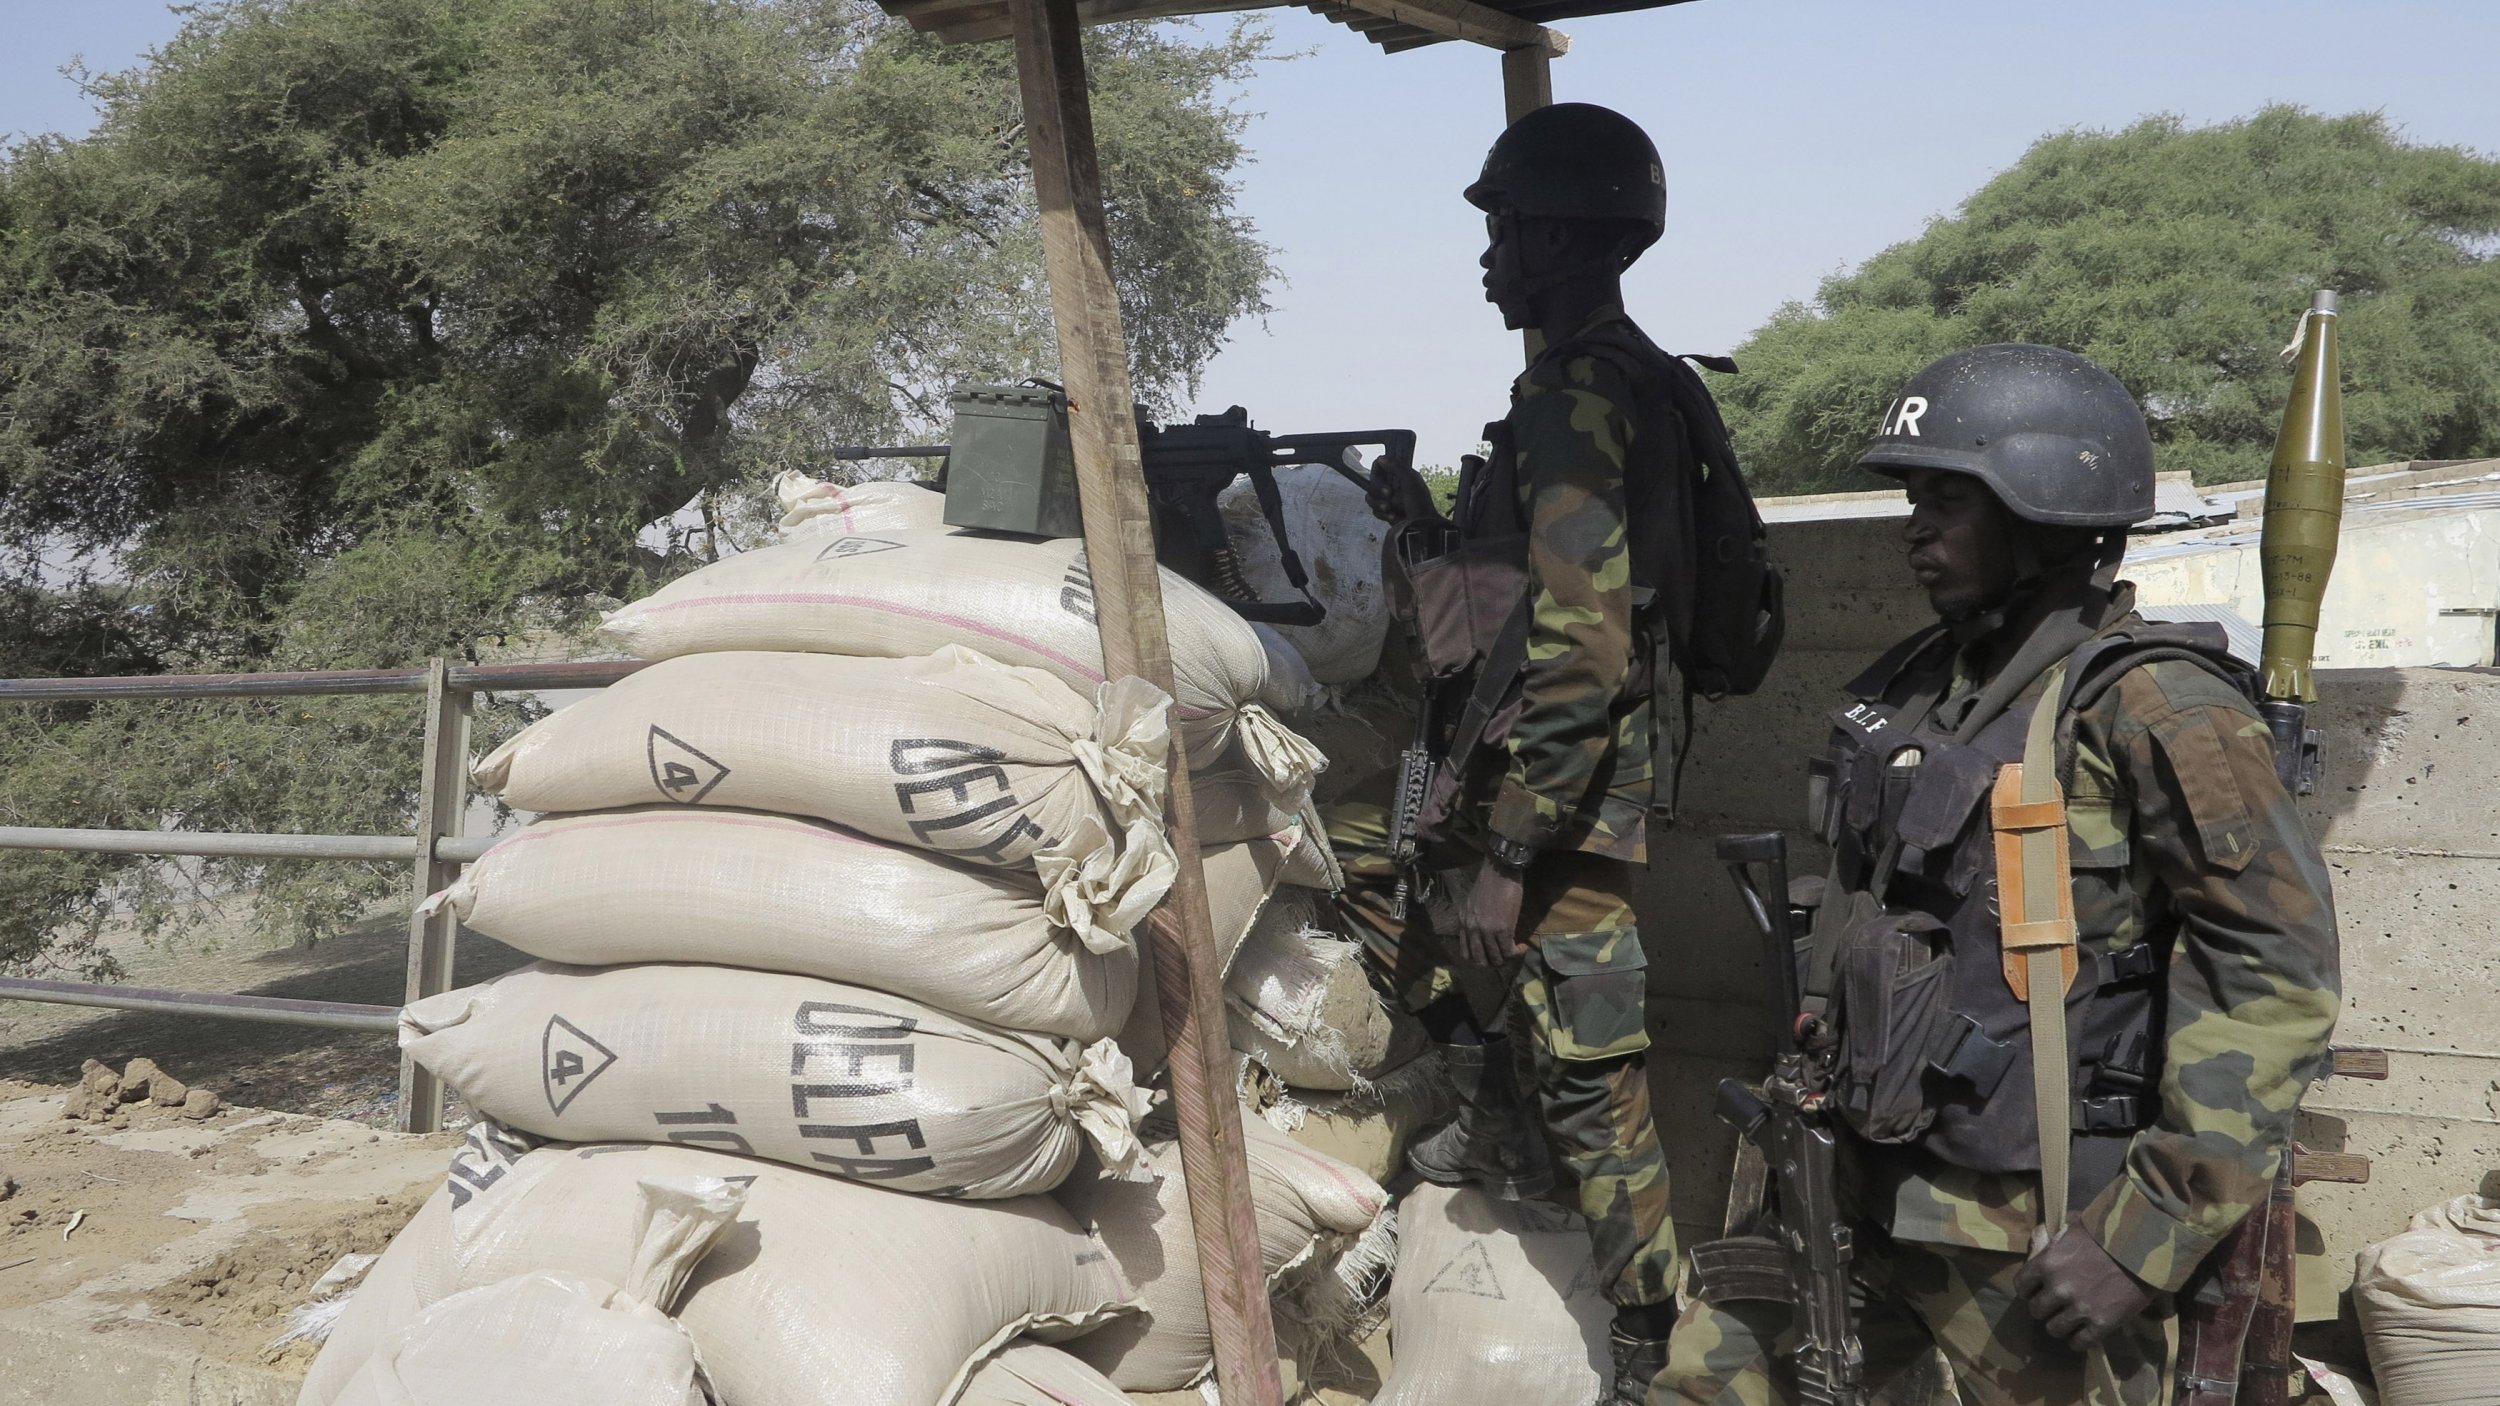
(1724, 613)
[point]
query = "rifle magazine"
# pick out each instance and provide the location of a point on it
(1741, 1268)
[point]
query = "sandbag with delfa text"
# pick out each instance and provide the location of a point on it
(989, 765)
(834, 1078)
(902, 594)
(823, 1292)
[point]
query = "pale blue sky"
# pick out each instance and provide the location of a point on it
(1800, 136)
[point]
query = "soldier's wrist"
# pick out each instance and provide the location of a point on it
(1512, 855)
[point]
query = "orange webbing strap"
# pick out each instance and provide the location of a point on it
(2036, 916)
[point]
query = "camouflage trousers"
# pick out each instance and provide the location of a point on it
(1573, 1007)
(1911, 1297)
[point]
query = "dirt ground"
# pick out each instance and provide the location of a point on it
(200, 1235)
(295, 1069)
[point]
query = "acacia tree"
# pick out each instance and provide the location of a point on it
(2178, 258)
(364, 330)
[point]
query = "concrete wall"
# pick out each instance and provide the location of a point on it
(2413, 586)
(2408, 818)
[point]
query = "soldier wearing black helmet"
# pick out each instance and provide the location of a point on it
(1552, 800)
(2042, 1254)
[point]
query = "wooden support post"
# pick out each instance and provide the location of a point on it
(1128, 601)
(442, 798)
(1527, 80)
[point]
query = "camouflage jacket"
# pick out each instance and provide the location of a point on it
(1578, 772)
(2185, 840)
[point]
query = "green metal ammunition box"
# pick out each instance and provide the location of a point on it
(1010, 469)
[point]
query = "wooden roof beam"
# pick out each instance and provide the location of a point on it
(1465, 19)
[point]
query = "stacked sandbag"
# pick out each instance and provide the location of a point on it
(1493, 1303)
(1333, 531)
(847, 905)
(2429, 1302)
(1301, 1002)
(841, 1079)
(1325, 1239)
(548, 1339)
(990, 766)
(776, 893)
(1035, 1374)
(822, 1290)
(1030, 604)
(811, 507)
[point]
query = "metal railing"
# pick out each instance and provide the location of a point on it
(434, 852)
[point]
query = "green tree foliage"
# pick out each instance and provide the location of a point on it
(360, 331)
(2179, 258)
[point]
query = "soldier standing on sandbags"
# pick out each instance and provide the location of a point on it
(2200, 952)
(1552, 555)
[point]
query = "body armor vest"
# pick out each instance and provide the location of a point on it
(1935, 1049)
(1466, 597)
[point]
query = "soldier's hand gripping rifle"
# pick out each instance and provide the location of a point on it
(1803, 1257)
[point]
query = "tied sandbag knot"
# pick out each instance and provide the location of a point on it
(1288, 761)
(677, 1221)
(1095, 886)
(1103, 1099)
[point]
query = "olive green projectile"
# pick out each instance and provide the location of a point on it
(2304, 508)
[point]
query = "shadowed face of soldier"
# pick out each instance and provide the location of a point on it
(1960, 540)
(1505, 262)
(1526, 260)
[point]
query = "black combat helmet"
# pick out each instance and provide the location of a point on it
(1576, 161)
(2057, 439)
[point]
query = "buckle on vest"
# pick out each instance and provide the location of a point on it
(2113, 1113)
(1970, 1056)
(2130, 964)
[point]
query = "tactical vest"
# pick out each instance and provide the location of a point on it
(1935, 1047)
(1468, 602)
(1462, 594)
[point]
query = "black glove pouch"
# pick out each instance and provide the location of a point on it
(1893, 976)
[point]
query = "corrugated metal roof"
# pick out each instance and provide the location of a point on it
(1395, 37)
(2247, 641)
(971, 21)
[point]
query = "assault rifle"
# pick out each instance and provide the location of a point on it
(1801, 1256)
(1009, 469)
(1187, 466)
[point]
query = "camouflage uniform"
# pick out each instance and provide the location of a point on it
(1574, 785)
(2181, 837)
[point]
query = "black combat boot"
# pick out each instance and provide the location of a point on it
(1490, 1144)
(1638, 1361)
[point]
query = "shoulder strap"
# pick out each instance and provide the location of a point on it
(2101, 664)
(1502, 664)
(2119, 653)
(2036, 904)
